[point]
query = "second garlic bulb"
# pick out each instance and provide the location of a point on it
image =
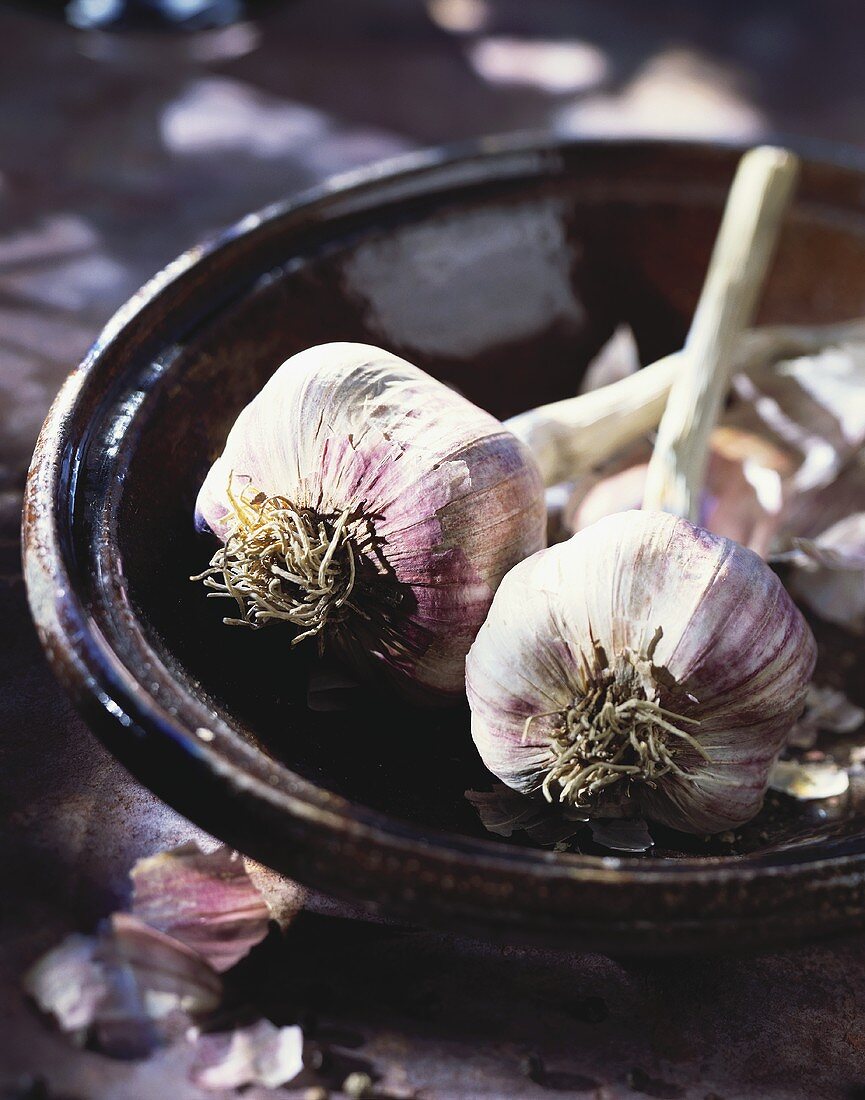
(644, 666)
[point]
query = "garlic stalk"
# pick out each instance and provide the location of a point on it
(366, 505)
(679, 459)
(569, 436)
(740, 261)
(646, 665)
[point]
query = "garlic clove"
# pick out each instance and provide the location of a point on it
(374, 509)
(666, 622)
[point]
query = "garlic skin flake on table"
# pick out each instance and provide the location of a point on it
(644, 666)
(373, 508)
(206, 900)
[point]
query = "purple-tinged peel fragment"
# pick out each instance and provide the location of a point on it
(205, 900)
(128, 989)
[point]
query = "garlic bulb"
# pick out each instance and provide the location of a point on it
(369, 506)
(642, 666)
(647, 664)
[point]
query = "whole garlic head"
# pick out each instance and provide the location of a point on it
(643, 666)
(370, 506)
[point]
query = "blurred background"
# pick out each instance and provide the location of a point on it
(130, 129)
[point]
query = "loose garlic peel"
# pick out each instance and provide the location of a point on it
(372, 508)
(666, 689)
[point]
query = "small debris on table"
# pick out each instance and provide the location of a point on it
(260, 1054)
(809, 781)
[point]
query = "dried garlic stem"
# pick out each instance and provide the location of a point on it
(740, 261)
(283, 562)
(569, 436)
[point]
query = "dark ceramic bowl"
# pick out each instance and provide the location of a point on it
(502, 269)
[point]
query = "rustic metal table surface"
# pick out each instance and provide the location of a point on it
(118, 152)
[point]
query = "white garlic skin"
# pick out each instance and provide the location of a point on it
(734, 654)
(452, 499)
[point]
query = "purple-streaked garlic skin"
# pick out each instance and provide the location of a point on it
(444, 502)
(824, 540)
(205, 900)
(734, 653)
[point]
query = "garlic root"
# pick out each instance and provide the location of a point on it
(369, 506)
(273, 542)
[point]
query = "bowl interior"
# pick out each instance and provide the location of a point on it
(505, 287)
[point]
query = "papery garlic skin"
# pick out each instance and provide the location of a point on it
(829, 577)
(693, 623)
(438, 501)
(777, 459)
(742, 498)
(823, 539)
